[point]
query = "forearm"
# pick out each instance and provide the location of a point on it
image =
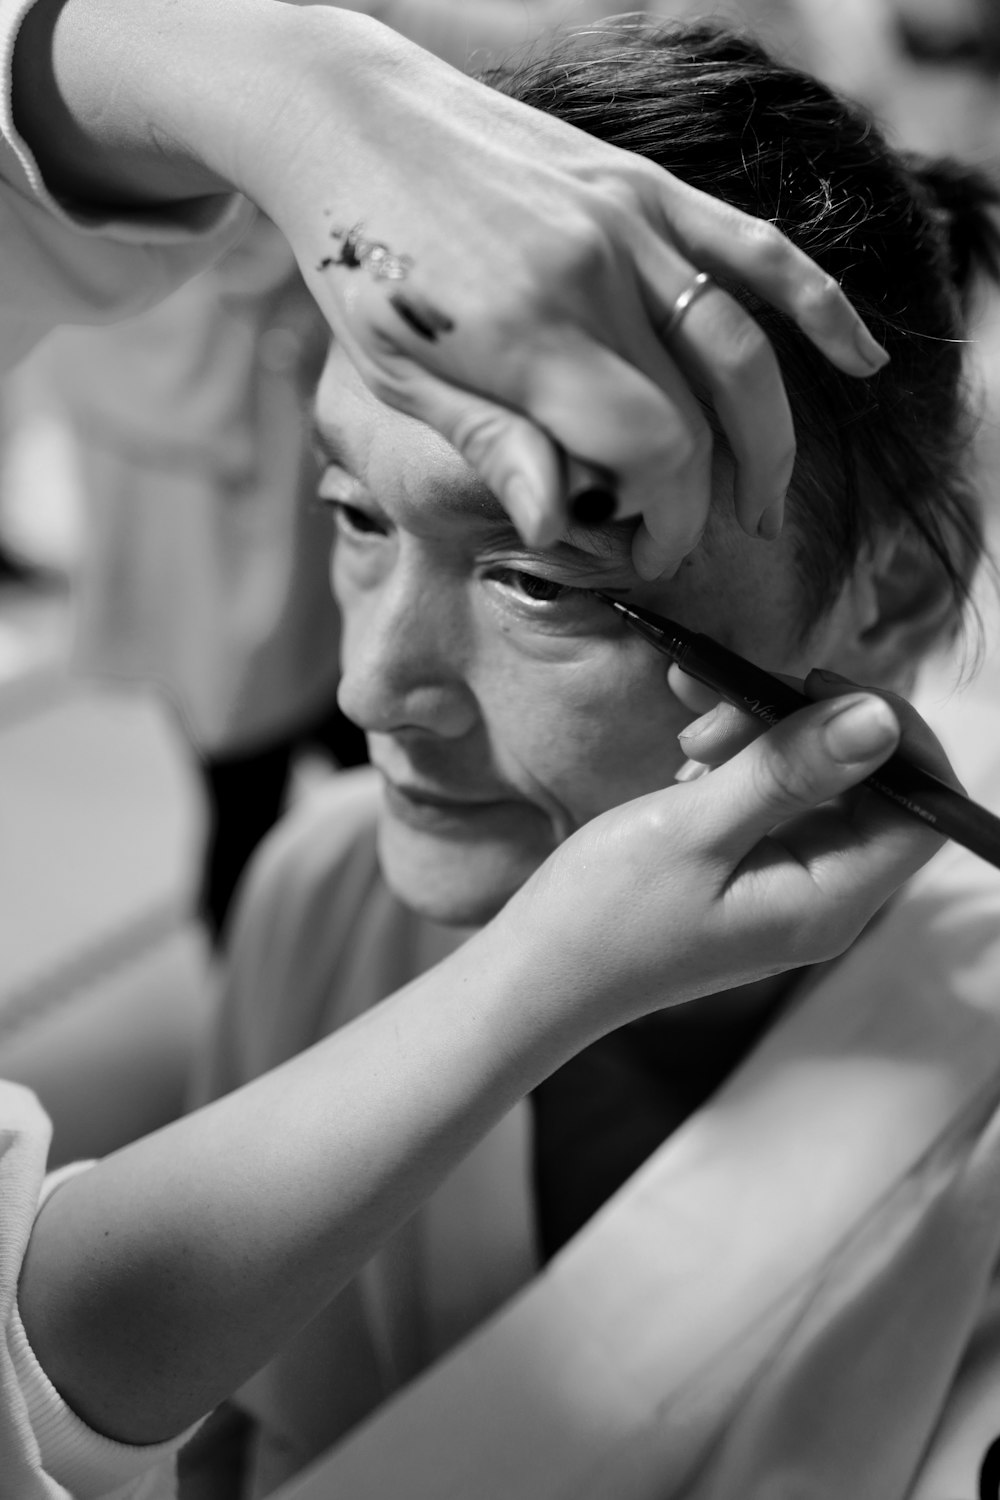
(460, 33)
(132, 102)
(156, 1283)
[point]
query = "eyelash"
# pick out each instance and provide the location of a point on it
(528, 581)
(352, 520)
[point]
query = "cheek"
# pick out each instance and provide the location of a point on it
(583, 730)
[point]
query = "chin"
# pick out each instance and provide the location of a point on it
(446, 883)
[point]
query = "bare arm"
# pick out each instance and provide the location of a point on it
(157, 1282)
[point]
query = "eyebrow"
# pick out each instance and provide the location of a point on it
(473, 500)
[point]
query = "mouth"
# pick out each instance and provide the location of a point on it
(431, 810)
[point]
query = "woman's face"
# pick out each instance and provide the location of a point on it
(504, 704)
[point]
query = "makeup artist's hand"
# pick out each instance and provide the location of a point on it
(542, 268)
(721, 731)
(539, 265)
(774, 861)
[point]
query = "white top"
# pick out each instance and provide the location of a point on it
(58, 266)
(61, 266)
(795, 1296)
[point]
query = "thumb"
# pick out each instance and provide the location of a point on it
(807, 759)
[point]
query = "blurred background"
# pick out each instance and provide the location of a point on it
(168, 646)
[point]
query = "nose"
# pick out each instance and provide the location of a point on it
(404, 645)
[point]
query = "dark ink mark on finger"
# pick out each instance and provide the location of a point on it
(431, 315)
(421, 315)
(412, 317)
(594, 506)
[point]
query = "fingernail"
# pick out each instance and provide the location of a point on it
(869, 348)
(769, 525)
(698, 727)
(691, 770)
(528, 514)
(594, 506)
(859, 728)
(826, 675)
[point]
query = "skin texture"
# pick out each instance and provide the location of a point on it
(486, 676)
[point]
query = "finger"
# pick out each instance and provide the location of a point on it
(719, 735)
(584, 401)
(917, 740)
(807, 759)
(516, 459)
(722, 730)
(639, 423)
(692, 693)
(727, 354)
(726, 242)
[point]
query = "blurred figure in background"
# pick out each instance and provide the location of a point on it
(204, 566)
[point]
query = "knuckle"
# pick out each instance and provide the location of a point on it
(820, 298)
(477, 432)
(771, 251)
(581, 249)
(626, 191)
(660, 821)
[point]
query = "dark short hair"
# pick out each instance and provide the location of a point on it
(904, 237)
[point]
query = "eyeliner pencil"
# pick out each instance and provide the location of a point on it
(756, 692)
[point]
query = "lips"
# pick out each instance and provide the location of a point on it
(439, 799)
(429, 810)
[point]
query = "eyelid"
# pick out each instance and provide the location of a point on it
(571, 572)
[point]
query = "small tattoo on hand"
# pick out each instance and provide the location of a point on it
(355, 251)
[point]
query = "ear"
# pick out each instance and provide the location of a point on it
(900, 607)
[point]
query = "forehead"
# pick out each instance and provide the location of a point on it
(412, 472)
(744, 592)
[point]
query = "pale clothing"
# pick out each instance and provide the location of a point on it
(793, 1298)
(205, 566)
(70, 264)
(57, 267)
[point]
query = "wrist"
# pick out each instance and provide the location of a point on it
(324, 127)
(546, 1010)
